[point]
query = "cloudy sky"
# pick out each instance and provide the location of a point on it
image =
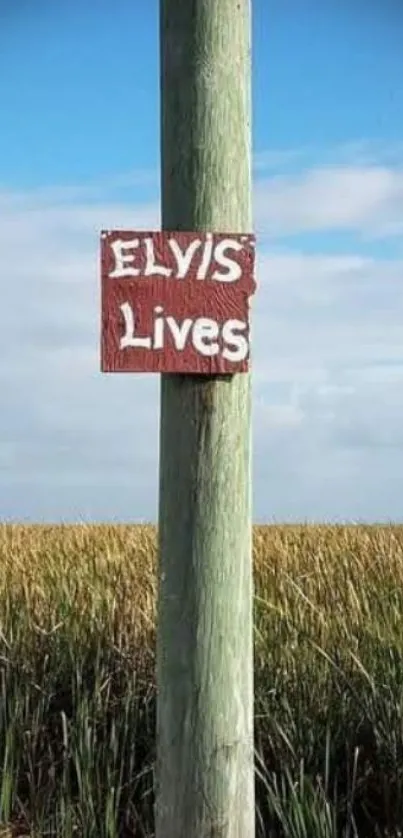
(80, 152)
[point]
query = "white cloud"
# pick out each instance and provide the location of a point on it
(328, 359)
(360, 153)
(365, 199)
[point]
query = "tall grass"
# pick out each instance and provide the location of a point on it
(77, 690)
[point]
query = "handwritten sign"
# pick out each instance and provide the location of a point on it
(176, 302)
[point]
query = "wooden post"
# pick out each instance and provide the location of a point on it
(205, 770)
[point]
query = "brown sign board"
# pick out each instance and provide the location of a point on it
(176, 302)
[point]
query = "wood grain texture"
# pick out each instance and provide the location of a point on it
(204, 772)
(204, 310)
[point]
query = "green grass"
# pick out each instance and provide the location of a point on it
(77, 689)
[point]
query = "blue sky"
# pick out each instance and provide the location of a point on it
(79, 82)
(79, 139)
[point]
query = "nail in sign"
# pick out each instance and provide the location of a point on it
(176, 302)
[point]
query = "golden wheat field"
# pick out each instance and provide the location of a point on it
(77, 704)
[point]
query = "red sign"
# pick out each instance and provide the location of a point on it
(176, 302)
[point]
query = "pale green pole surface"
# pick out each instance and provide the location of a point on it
(205, 778)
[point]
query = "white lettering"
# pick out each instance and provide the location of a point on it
(124, 258)
(151, 266)
(158, 342)
(179, 331)
(128, 338)
(234, 270)
(206, 258)
(238, 342)
(121, 258)
(183, 260)
(205, 330)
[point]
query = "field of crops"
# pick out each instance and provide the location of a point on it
(77, 705)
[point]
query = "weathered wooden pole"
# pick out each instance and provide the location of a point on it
(205, 772)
